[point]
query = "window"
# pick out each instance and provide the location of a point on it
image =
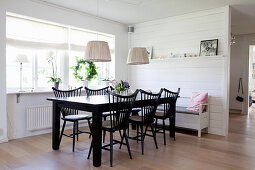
(37, 40)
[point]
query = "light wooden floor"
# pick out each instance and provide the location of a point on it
(237, 151)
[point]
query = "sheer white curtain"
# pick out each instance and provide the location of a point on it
(36, 40)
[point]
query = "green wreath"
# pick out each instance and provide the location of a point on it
(90, 67)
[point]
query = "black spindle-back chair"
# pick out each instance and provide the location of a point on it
(120, 110)
(170, 99)
(67, 93)
(146, 117)
(71, 115)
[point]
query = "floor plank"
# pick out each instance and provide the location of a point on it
(236, 151)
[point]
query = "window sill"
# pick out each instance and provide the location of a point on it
(29, 92)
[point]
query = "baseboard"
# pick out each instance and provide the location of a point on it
(235, 111)
(40, 132)
(3, 139)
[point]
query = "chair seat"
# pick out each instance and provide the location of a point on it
(106, 124)
(76, 117)
(136, 118)
(105, 114)
(159, 114)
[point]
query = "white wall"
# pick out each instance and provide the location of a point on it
(17, 114)
(35, 9)
(3, 123)
(182, 34)
(17, 120)
(239, 67)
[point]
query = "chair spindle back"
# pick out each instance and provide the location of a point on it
(171, 97)
(92, 92)
(121, 109)
(148, 112)
(67, 93)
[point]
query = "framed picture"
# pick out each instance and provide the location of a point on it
(209, 47)
(149, 52)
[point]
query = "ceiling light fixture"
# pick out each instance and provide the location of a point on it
(137, 56)
(97, 51)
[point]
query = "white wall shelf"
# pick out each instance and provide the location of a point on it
(188, 58)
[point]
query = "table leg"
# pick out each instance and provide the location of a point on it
(55, 126)
(97, 137)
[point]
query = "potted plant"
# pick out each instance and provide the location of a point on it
(54, 79)
(121, 87)
(84, 71)
(105, 82)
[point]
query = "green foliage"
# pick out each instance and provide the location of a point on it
(52, 79)
(106, 79)
(120, 87)
(90, 70)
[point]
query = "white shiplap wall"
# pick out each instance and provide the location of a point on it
(182, 34)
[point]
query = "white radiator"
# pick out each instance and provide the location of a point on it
(39, 117)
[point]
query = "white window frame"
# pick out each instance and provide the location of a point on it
(64, 64)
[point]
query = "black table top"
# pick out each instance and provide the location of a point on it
(95, 100)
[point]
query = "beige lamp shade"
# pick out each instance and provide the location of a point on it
(97, 51)
(21, 58)
(137, 55)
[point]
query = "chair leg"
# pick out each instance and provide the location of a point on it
(142, 141)
(62, 131)
(104, 134)
(156, 125)
(111, 148)
(137, 132)
(164, 132)
(122, 138)
(146, 128)
(74, 135)
(77, 125)
(154, 136)
(90, 129)
(120, 133)
(128, 129)
(128, 147)
(90, 149)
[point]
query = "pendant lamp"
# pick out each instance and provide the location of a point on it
(137, 56)
(97, 51)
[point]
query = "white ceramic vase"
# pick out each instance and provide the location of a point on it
(55, 85)
(85, 83)
(105, 83)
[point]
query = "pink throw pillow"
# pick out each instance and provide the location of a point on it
(196, 100)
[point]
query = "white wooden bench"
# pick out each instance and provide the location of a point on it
(190, 119)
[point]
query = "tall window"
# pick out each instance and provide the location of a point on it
(37, 40)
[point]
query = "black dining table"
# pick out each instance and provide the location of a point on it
(97, 105)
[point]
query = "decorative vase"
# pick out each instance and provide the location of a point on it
(85, 83)
(123, 93)
(56, 85)
(105, 83)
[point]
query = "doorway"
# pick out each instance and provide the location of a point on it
(251, 79)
